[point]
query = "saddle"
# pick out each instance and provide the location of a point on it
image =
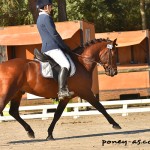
(49, 68)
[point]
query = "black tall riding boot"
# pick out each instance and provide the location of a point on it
(62, 81)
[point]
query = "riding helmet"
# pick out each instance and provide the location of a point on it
(41, 3)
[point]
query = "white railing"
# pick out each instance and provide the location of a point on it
(123, 109)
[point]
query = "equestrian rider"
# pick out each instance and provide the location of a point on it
(53, 45)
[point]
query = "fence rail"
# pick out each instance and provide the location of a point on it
(123, 109)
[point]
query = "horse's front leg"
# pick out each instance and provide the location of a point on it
(95, 103)
(14, 112)
(61, 106)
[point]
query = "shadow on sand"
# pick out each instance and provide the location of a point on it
(81, 136)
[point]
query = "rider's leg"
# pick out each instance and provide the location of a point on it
(61, 59)
(62, 81)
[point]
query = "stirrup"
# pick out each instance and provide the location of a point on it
(64, 94)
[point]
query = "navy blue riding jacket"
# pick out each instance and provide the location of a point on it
(50, 37)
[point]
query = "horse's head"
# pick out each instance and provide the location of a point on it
(107, 58)
(98, 51)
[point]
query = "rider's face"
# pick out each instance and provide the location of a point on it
(48, 8)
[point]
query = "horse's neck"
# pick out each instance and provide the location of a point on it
(89, 58)
(90, 55)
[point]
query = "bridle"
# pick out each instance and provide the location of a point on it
(110, 60)
(109, 47)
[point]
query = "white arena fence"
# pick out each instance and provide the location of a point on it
(123, 107)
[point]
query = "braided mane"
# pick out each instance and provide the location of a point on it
(80, 49)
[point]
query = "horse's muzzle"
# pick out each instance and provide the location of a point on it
(111, 72)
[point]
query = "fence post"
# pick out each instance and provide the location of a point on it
(76, 110)
(44, 112)
(125, 107)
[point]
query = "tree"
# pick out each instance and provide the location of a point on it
(59, 10)
(107, 15)
(62, 14)
(143, 14)
(32, 8)
(15, 12)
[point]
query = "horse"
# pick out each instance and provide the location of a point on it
(19, 75)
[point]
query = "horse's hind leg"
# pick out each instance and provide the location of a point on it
(95, 103)
(2, 105)
(61, 106)
(14, 112)
(3, 102)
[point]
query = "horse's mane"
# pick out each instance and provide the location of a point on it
(80, 49)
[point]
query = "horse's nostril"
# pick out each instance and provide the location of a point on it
(113, 72)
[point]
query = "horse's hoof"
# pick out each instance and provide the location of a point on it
(116, 126)
(31, 134)
(50, 138)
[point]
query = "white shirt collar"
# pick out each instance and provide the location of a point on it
(43, 12)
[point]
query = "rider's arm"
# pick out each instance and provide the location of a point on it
(55, 35)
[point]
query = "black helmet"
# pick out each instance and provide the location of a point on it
(42, 3)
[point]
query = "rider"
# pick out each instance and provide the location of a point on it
(53, 45)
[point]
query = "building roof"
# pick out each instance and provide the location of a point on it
(127, 38)
(29, 35)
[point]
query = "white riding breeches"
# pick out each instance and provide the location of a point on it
(59, 57)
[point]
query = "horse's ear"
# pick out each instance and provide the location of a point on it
(114, 42)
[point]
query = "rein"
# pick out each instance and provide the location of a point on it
(88, 59)
(109, 46)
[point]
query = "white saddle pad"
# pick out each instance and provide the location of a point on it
(47, 72)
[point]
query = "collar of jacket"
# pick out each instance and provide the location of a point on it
(43, 12)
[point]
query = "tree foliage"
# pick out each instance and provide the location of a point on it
(107, 15)
(15, 12)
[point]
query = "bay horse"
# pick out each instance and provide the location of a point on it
(19, 75)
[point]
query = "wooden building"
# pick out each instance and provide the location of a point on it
(133, 58)
(20, 41)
